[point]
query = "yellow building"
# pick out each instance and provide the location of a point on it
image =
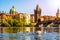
(25, 17)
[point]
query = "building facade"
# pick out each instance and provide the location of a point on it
(14, 14)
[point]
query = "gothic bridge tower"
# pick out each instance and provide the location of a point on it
(37, 13)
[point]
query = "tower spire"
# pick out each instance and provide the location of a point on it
(58, 10)
(58, 13)
(37, 7)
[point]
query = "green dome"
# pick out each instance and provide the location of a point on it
(13, 9)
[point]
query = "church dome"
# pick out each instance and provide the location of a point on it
(13, 9)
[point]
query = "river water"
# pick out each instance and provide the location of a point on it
(30, 36)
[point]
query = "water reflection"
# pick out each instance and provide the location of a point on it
(30, 36)
(9, 34)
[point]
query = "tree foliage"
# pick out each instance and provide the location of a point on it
(5, 24)
(16, 23)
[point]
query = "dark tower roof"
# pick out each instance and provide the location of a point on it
(38, 8)
(58, 10)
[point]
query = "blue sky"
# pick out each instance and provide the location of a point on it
(49, 7)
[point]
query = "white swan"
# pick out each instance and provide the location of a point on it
(39, 32)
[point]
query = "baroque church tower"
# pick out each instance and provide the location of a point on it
(58, 13)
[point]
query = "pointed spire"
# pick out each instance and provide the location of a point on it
(58, 10)
(38, 8)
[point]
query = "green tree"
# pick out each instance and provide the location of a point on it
(6, 24)
(16, 22)
(11, 22)
(58, 18)
(29, 25)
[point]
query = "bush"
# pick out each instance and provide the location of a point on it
(5, 24)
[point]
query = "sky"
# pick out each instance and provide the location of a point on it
(48, 7)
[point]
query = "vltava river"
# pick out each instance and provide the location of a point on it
(30, 36)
